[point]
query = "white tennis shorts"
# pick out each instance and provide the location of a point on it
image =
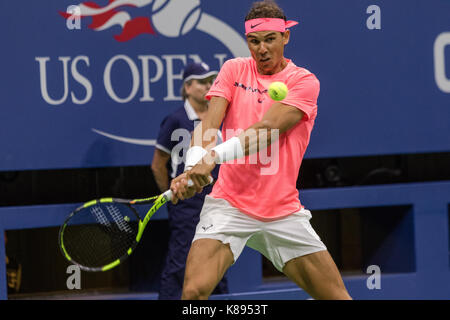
(279, 241)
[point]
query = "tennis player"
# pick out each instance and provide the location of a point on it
(248, 205)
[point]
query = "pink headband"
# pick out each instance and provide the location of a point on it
(266, 24)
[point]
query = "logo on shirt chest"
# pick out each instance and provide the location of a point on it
(261, 93)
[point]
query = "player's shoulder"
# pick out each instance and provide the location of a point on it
(302, 75)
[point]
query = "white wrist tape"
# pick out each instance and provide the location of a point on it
(193, 156)
(229, 150)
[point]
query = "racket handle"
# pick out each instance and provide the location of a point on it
(168, 194)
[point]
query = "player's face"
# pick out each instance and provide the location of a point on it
(198, 89)
(267, 48)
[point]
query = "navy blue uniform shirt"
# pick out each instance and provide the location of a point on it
(174, 138)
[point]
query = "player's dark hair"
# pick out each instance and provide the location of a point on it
(265, 9)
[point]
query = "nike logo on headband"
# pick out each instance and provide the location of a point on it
(254, 26)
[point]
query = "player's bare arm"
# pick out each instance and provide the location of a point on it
(280, 117)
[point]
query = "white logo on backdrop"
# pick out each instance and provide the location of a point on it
(442, 81)
(170, 18)
(176, 18)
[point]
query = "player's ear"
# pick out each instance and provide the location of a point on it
(286, 36)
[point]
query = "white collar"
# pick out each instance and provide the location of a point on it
(192, 115)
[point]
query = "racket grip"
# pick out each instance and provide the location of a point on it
(168, 194)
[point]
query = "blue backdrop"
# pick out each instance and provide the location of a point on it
(74, 96)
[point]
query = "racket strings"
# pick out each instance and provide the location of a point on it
(100, 234)
(120, 221)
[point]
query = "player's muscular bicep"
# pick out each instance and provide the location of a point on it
(282, 117)
(216, 112)
(205, 134)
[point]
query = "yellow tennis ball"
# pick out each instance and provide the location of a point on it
(278, 90)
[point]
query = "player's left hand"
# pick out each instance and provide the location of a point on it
(201, 172)
(180, 188)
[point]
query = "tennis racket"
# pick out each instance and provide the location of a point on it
(102, 233)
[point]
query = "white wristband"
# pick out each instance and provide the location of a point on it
(229, 150)
(193, 156)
